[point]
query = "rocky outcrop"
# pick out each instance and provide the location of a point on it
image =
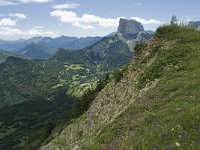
(129, 28)
(194, 24)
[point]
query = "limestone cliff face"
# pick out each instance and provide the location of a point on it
(128, 28)
(132, 32)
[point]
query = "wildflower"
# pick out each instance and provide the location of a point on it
(177, 144)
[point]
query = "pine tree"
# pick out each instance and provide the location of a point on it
(173, 20)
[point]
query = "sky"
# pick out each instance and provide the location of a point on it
(23, 19)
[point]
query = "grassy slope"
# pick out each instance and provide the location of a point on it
(167, 117)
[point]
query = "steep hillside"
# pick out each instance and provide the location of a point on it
(154, 106)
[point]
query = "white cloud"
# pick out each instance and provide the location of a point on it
(66, 6)
(36, 32)
(18, 15)
(147, 22)
(190, 18)
(104, 22)
(82, 26)
(86, 21)
(38, 27)
(7, 22)
(5, 3)
(35, 1)
(8, 31)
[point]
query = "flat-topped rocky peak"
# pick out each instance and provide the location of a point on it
(128, 28)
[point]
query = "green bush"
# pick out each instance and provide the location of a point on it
(139, 48)
(117, 75)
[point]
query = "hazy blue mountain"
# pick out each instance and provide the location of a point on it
(36, 51)
(12, 45)
(69, 42)
(53, 43)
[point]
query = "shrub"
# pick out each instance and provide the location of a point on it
(117, 75)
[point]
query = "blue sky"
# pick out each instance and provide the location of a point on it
(80, 18)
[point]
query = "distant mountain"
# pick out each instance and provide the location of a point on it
(107, 54)
(5, 54)
(44, 47)
(72, 43)
(194, 24)
(49, 43)
(36, 51)
(12, 45)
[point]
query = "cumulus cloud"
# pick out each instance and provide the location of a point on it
(86, 21)
(18, 16)
(146, 22)
(82, 26)
(38, 27)
(8, 31)
(66, 6)
(10, 20)
(5, 3)
(7, 22)
(35, 1)
(9, 2)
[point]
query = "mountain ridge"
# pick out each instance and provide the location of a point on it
(152, 106)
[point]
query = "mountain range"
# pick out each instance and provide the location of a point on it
(45, 47)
